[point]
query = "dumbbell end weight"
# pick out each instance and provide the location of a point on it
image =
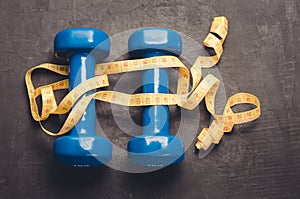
(81, 41)
(155, 150)
(82, 151)
(83, 47)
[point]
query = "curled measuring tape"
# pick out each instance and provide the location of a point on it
(185, 98)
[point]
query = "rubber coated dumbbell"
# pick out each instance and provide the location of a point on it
(155, 147)
(83, 47)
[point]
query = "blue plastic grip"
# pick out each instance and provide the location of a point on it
(155, 118)
(82, 68)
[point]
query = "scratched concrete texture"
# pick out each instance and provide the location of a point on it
(261, 56)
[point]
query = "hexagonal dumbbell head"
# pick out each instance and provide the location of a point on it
(81, 40)
(154, 41)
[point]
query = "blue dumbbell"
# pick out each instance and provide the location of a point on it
(155, 147)
(83, 47)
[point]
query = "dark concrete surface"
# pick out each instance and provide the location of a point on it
(257, 160)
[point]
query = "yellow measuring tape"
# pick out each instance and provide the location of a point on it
(207, 88)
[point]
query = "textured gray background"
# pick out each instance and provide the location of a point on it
(257, 160)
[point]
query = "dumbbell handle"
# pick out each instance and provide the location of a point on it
(155, 118)
(82, 67)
